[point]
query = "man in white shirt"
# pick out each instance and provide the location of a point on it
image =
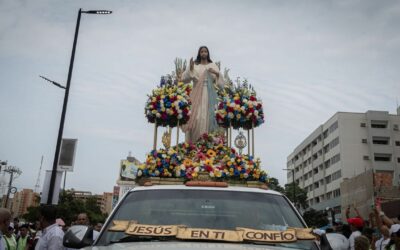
(356, 225)
(5, 219)
(52, 234)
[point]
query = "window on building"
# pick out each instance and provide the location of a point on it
(364, 140)
(327, 164)
(325, 134)
(317, 200)
(321, 182)
(336, 192)
(314, 142)
(315, 170)
(335, 159)
(379, 124)
(382, 157)
(363, 125)
(398, 160)
(328, 179)
(397, 143)
(321, 167)
(326, 149)
(395, 127)
(316, 184)
(333, 127)
(329, 195)
(380, 140)
(315, 156)
(334, 143)
(336, 175)
(366, 157)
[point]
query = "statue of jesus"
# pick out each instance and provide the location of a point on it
(204, 74)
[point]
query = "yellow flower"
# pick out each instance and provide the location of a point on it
(229, 163)
(209, 162)
(187, 162)
(211, 153)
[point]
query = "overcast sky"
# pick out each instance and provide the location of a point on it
(307, 60)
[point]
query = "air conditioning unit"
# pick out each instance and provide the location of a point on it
(366, 157)
(363, 125)
(364, 140)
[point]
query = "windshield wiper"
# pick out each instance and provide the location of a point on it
(137, 238)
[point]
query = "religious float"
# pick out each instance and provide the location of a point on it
(182, 103)
(220, 198)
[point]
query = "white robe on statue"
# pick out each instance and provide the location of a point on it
(204, 99)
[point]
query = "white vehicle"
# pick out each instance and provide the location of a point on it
(199, 215)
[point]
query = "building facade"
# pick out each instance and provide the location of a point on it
(22, 200)
(346, 146)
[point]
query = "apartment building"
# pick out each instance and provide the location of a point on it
(345, 146)
(22, 200)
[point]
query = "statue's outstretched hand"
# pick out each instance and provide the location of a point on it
(213, 71)
(191, 64)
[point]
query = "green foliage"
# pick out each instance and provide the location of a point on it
(300, 195)
(69, 207)
(315, 218)
(273, 184)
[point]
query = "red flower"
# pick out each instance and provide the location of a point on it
(253, 98)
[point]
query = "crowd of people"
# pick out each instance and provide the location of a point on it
(378, 232)
(46, 234)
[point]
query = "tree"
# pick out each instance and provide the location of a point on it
(301, 195)
(69, 207)
(273, 184)
(315, 218)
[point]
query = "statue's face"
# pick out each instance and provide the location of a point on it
(204, 53)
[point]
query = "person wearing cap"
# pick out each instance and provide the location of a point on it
(394, 243)
(5, 218)
(356, 226)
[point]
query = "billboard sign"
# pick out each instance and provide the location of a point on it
(67, 155)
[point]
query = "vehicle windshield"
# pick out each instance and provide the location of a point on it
(204, 209)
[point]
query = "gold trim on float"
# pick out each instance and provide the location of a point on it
(238, 235)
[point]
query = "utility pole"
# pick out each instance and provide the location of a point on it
(12, 170)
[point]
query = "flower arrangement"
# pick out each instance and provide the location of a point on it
(209, 154)
(239, 107)
(169, 104)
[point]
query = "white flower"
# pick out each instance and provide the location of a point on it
(196, 169)
(158, 115)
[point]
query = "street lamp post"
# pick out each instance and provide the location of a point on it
(64, 110)
(294, 185)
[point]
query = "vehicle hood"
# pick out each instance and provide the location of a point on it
(183, 246)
